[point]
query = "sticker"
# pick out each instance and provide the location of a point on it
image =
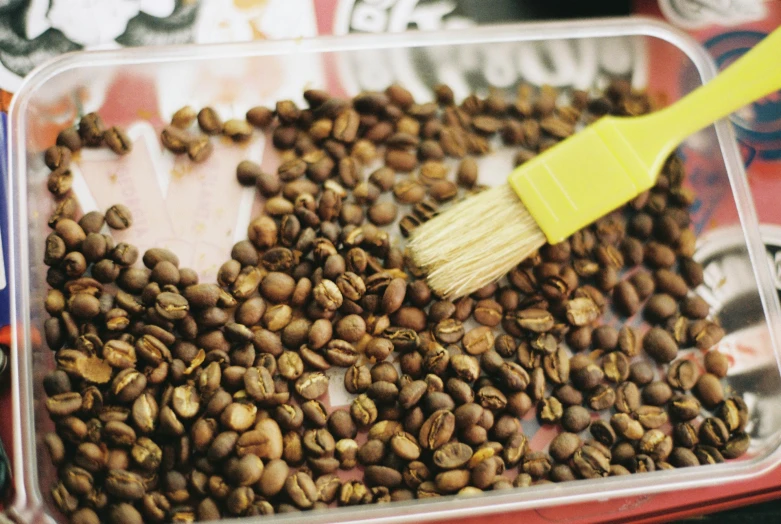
(693, 14)
(577, 63)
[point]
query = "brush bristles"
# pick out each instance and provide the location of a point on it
(475, 242)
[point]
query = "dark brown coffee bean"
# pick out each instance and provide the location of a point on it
(671, 283)
(627, 397)
(260, 116)
(684, 407)
(601, 397)
(685, 435)
(691, 271)
(124, 513)
(658, 255)
(705, 334)
(118, 217)
(695, 307)
(625, 426)
(736, 446)
(657, 393)
(437, 429)
(209, 121)
(709, 390)
(682, 374)
(626, 298)
(659, 345)
(273, 478)
(575, 419)
(376, 475)
(716, 363)
(171, 306)
(237, 130)
(124, 485)
(117, 140)
(708, 455)
(587, 376)
(91, 130)
(683, 458)
(56, 157)
(363, 410)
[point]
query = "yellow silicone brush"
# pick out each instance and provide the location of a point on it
(579, 180)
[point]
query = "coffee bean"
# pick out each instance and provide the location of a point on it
(682, 374)
(91, 129)
(564, 445)
(575, 419)
(124, 485)
(684, 407)
(117, 140)
(209, 121)
(118, 217)
(625, 426)
(736, 446)
(363, 410)
(626, 298)
(709, 390)
(659, 345)
(716, 363)
(695, 307)
(437, 429)
(671, 283)
(627, 397)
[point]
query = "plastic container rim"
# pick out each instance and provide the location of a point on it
(28, 503)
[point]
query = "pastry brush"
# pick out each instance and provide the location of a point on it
(577, 181)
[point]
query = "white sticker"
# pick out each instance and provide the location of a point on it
(693, 14)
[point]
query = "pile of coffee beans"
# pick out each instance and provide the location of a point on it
(179, 400)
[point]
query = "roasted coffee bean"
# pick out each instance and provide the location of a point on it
(684, 408)
(685, 435)
(625, 426)
(119, 217)
(736, 446)
(734, 412)
(716, 363)
(587, 376)
(709, 390)
(437, 429)
(363, 410)
(682, 374)
(564, 445)
(91, 130)
(124, 485)
(575, 419)
(705, 334)
(117, 140)
(601, 397)
(550, 410)
(658, 344)
(626, 298)
(651, 417)
(627, 397)
(708, 455)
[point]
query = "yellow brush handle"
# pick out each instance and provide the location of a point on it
(754, 75)
(615, 159)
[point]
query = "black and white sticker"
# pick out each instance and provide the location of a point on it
(574, 63)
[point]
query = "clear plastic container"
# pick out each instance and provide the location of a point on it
(140, 89)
